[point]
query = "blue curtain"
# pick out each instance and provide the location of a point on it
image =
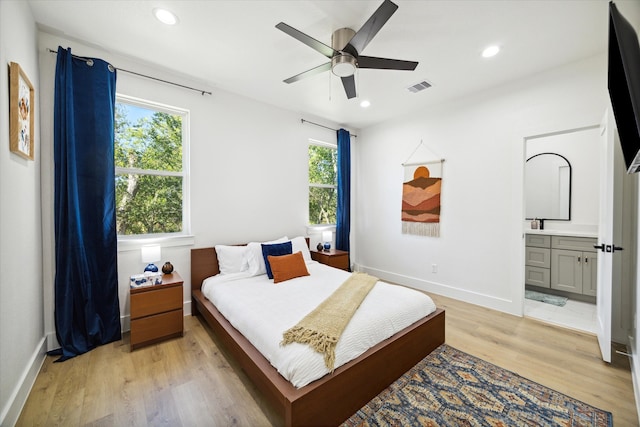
(343, 216)
(87, 310)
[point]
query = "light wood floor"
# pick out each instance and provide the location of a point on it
(190, 381)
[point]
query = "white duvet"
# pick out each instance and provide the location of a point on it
(262, 311)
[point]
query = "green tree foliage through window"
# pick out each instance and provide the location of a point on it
(323, 192)
(149, 171)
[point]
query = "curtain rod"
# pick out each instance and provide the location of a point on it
(203, 92)
(326, 127)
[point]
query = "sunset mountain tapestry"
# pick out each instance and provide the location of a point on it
(421, 199)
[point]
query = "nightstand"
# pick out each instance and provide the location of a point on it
(156, 311)
(334, 258)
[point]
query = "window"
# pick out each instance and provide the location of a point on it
(323, 182)
(151, 179)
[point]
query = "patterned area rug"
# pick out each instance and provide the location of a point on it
(452, 388)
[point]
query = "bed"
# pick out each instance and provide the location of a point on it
(334, 397)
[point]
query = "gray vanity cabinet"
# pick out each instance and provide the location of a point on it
(564, 263)
(538, 260)
(574, 265)
(590, 274)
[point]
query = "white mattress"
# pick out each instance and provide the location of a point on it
(262, 311)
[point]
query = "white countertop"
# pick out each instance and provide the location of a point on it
(563, 233)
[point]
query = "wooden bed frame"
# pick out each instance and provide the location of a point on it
(333, 398)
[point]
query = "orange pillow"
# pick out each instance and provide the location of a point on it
(285, 267)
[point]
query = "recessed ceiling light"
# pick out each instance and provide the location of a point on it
(365, 104)
(164, 16)
(490, 51)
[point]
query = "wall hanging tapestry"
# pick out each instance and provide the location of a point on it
(421, 198)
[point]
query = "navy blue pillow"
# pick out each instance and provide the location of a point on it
(274, 249)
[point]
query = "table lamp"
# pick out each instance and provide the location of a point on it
(151, 254)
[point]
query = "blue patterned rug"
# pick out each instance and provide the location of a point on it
(452, 388)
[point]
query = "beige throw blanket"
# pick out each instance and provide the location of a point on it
(322, 328)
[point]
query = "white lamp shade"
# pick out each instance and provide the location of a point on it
(327, 236)
(150, 253)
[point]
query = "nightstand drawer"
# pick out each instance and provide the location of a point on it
(156, 301)
(341, 262)
(155, 328)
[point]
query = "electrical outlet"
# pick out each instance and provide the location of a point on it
(434, 268)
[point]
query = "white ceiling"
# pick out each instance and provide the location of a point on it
(234, 45)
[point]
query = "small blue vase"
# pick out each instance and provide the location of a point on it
(327, 246)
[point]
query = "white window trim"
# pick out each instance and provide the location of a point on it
(181, 238)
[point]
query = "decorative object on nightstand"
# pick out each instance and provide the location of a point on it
(150, 254)
(333, 258)
(156, 311)
(326, 238)
(320, 246)
(167, 268)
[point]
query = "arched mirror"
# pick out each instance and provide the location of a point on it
(547, 187)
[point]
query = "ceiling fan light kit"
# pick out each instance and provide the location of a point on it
(343, 65)
(346, 45)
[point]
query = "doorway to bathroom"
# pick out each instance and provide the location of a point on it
(561, 186)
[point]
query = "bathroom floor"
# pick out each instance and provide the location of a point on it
(574, 315)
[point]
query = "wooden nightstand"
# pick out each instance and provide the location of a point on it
(334, 258)
(156, 311)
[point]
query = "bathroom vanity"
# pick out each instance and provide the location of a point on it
(566, 263)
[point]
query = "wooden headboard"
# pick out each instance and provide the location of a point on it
(204, 263)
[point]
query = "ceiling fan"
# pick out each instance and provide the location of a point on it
(345, 49)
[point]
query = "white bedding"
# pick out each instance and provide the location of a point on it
(262, 311)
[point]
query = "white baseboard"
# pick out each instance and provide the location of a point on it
(499, 304)
(11, 411)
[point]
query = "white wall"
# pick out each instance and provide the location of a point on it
(21, 314)
(480, 251)
(248, 168)
(581, 148)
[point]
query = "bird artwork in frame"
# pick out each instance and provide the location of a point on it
(421, 198)
(21, 112)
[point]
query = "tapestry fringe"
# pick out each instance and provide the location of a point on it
(431, 229)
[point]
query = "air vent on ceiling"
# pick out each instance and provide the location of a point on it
(419, 86)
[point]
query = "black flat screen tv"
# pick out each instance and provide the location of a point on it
(624, 85)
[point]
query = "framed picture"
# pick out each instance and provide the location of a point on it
(21, 95)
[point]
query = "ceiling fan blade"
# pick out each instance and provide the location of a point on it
(311, 72)
(370, 28)
(349, 84)
(385, 63)
(309, 41)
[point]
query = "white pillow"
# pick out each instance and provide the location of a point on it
(299, 244)
(255, 258)
(232, 259)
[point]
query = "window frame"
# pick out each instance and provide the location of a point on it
(133, 241)
(324, 144)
